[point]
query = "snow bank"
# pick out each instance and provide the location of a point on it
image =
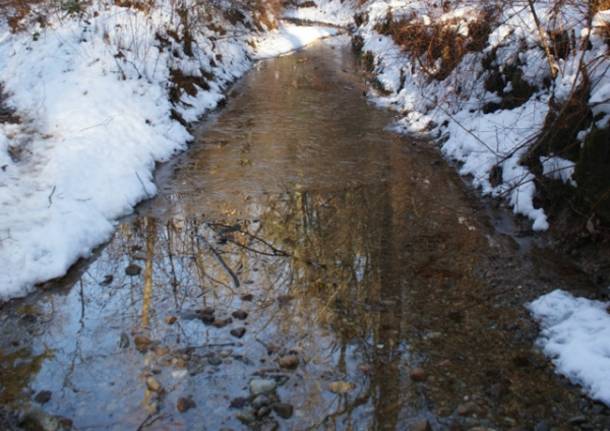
(335, 12)
(576, 336)
(94, 98)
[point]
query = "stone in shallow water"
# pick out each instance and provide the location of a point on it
(238, 332)
(184, 404)
(133, 270)
(262, 386)
(43, 397)
(341, 387)
(240, 314)
(289, 361)
(418, 374)
(283, 410)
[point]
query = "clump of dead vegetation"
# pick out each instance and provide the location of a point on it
(439, 46)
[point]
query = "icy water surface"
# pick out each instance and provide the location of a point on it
(298, 246)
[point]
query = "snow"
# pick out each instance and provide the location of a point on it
(96, 118)
(336, 12)
(559, 169)
(290, 37)
(576, 336)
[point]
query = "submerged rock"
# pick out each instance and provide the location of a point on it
(142, 343)
(262, 386)
(240, 314)
(341, 387)
(43, 397)
(133, 270)
(418, 374)
(184, 404)
(238, 332)
(289, 361)
(283, 410)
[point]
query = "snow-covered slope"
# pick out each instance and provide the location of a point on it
(102, 98)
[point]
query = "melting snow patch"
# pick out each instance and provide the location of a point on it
(576, 336)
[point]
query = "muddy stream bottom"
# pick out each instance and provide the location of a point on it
(301, 268)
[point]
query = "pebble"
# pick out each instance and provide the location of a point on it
(238, 403)
(184, 404)
(289, 361)
(214, 360)
(262, 386)
(133, 270)
(422, 425)
(341, 387)
(43, 397)
(263, 411)
(542, 426)
(238, 332)
(240, 314)
(260, 401)
(283, 410)
(153, 384)
(221, 323)
(247, 297)
(418, 374)
(246, 417)
(576, 420)
(468, 409)
(142, 343)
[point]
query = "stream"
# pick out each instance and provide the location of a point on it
(301, 267)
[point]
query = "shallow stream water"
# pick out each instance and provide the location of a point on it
(296, 226)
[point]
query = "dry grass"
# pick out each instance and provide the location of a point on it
(599, 5)
(438, 41)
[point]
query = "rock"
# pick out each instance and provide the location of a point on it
(43, 397)
(283, 410)
(341, 387)
(422, 425)
(246, 417)
(262, 412)
(152, 384)
(206, 315)
(214, 360)
(542, 426)
(289, 361)
(262, 386)
(577, 420)
(240, 314)
(133, 270)
(238, 332)
(184, 404)
(468, 409)
(221, 323)
(260, 401)
(161, 350)
(170, 320)
(418, 374)
(269, 425)
(247, 297)
(238, 403)
(142, 343)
